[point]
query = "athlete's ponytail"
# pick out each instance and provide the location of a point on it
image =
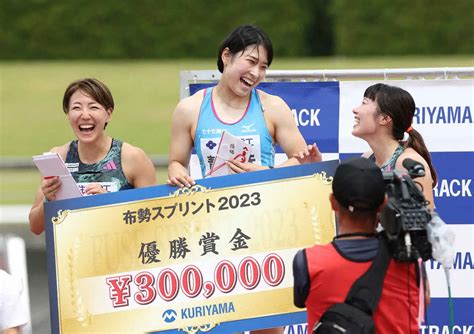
(416, 142)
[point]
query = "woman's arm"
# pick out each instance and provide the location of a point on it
(47, 189)
(282, 127)
(137, 167)
(184, 118)
(425, 181)
(285, 132)
(36, 216)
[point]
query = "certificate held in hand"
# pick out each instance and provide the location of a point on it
(230, 148)
(50, 164)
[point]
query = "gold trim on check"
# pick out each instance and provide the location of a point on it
(62, 214)
(201, 328)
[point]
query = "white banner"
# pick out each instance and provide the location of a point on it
(444, 114)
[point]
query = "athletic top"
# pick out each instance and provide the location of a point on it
(389, 165)
(251, 128)
(108, 172)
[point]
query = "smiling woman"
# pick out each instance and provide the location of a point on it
(98, 163)
(235, 106)
(384, 121)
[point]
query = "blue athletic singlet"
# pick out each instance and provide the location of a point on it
(251, 128)
(107, 172)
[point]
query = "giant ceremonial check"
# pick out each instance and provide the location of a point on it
(216, 257)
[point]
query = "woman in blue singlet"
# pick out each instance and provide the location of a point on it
(97, 162)
(236, 106)
(384, 121)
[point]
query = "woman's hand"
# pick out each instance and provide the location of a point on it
(50, 186)
(236, 166)
(94, 189)
(310, 154)
(181, 180)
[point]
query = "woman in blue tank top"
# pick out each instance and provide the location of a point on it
(96, 161)
(384, 121)
(236, 106)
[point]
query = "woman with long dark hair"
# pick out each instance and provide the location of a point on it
(384, 121)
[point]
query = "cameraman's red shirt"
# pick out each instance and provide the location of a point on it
(332, 275)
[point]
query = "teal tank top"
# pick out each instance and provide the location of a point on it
(251, 128)
(108, 172)
(389, 165)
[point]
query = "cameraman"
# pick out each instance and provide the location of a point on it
(324, 274)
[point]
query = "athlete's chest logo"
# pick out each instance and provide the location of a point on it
(248, 128)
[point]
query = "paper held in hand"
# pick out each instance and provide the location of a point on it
(230, 148)
(50, 164)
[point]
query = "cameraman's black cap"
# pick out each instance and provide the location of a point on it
(358, 185)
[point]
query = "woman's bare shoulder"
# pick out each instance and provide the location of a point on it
(61, 150)
(130, 152)
(191, 103)
(270, 101)
(411, 154)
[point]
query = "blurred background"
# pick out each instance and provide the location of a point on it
(138, 48)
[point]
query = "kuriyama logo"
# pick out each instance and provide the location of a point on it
(443, 115)
(169, 315)
(207, 310)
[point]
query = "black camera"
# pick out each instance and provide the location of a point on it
(406, 215)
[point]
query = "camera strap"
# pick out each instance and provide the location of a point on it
(365, 293)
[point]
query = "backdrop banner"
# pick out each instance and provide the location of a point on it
(216, 257)
(444, 117)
